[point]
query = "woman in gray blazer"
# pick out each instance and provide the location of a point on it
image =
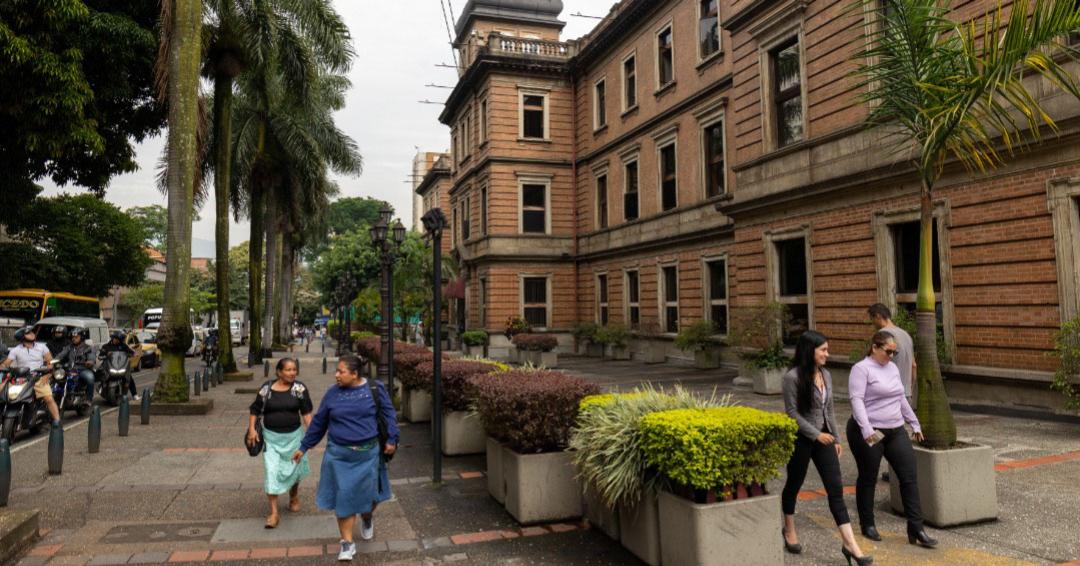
(808, 399)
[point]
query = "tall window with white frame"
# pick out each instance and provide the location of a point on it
(455, 226)
(716, 286)
(600, 104)
(633, 299)
(534, 301)
(483, 211)
(665, 58)
(709, 28)
(533, 208)
(787, 93)
(669, 295)
(905, 238)
(602, 299)
(669, 188)
(533, 116)
(630, 190)
(629, 82)
(601, 202)
(714, 159)
(792, 286)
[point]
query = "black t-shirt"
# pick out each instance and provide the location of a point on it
(283, 408)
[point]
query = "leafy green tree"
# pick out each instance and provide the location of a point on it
(238, 276)
(308, 301)
(78, 88)
(412, 281)
(146, 296)
(346, 215)
(203, 291)
(941, 89)
(154, 220)
(350, 255)
(75, 243)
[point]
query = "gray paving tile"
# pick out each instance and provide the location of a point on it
(149, 558)
(108, 559)
(401, 545)
(368, 547)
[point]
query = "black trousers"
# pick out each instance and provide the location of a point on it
(828, 467)
(896, 447)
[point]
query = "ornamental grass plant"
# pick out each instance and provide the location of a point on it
(607, 440)
(532, 411)
(701, 451)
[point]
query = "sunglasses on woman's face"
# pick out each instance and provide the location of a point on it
(891, 352)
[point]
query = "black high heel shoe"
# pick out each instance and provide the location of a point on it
(921, 538)
(865, 560)
(792, 548)
(871, 533)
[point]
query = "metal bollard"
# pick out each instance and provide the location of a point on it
(307, 348)
(206, 382)
(219, 371)
(144, 408)
(266, 369)
(124, 419)
(209, 375)
(93, 432)
(196, 385)
(324, 365)
(324, 346)
(5, 472)
(56, 449)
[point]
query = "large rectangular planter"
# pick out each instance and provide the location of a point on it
(545, 359)
(601, 516)
(594, 350)
(741, 532)
(654, 352)
(416, 406)
(618, 353)
(495, 480)
(639, 529)
(708, 358)
(541, 487)
(768, 381)
(462, 434)
(956, 487)
(474, 351)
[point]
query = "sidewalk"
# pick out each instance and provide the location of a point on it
(183, 490)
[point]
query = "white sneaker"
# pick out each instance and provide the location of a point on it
(137, 397)
(348, 551)
(367, 528)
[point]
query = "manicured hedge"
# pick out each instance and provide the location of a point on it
(370, 347)
(405, 368)
(531, 411)
(717, 448)
(535, 342)
(475, 338)
(457, 394)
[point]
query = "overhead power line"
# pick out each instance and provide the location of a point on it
(580, 15)
(449, 35)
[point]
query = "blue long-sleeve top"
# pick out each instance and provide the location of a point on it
(347, 414)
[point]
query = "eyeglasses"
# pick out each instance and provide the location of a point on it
(890, 352)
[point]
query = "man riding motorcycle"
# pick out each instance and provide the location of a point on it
(59, 340)
(210, 346)
(116, 344)
(32, 355)
(79, 354)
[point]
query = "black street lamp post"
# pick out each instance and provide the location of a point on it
(434, 223)
(388, 245)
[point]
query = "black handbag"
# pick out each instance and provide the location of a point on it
(257, 448)
(380, 422)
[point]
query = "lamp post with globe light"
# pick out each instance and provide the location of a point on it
(387, 241)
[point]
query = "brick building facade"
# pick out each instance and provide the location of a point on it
(689, 157)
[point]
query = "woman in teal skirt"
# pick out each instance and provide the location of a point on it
(353, 477)
(283, 404)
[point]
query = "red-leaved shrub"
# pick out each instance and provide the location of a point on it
(405, 368)
(457, 394)
(535, 342)
(531, 411)
(370, 348)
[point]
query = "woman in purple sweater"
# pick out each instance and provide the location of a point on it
(876, 428)
(353, 478)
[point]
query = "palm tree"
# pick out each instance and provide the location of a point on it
(290, 38)
(181, 49)
(941, 90)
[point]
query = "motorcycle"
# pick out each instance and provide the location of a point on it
(69, 391)
(113, 380)
(22, 411)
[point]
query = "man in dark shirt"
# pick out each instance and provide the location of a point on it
(79, 354)
(116, 344)
(59, 340)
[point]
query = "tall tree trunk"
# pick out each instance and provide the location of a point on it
(288, 264)
(255, 273)
(223, 97)
(933, 409)
(175, 335)
(271, 275)
(279, 286)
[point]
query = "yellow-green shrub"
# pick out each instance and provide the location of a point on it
(716, 448)
(604, 400)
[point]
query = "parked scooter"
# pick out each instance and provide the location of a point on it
(21, 410)
(113, 378)
(69, 391)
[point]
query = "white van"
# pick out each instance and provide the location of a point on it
(96, 328)
(236, 332)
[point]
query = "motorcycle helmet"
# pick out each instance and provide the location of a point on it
(80, 332)
(59, 329)
(21, 333)
(117, 335)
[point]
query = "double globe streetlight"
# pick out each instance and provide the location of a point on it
(388, 245)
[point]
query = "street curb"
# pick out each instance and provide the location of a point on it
(199, 406)
(18, 530)
(240, 376)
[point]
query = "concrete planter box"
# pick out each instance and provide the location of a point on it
(618, 352)
(733, 532)
(239, 376)
(541, 487)
(654, 352)
(416, 405)
(462, 434)
(956, 487)
(708, 358)
(495, 479)
(768, 381)
(475, 351)
(546, 359)
(601, 516)
(194, 406)
(639, 529)
(594, 350)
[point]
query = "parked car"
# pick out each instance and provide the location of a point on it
(151, 355)
(236, 330)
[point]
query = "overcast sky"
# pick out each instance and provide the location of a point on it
(397, 43)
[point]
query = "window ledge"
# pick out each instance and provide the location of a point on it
(600, 130)
(533, 140)
(483, 144)
(631, 110)
(665, 89)
(710, 60)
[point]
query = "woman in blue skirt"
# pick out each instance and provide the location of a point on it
(283, 403)
(353, 475)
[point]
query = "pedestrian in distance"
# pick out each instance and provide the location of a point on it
(284, 403)
(808, 399)
(879, 411)
(358, 416)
